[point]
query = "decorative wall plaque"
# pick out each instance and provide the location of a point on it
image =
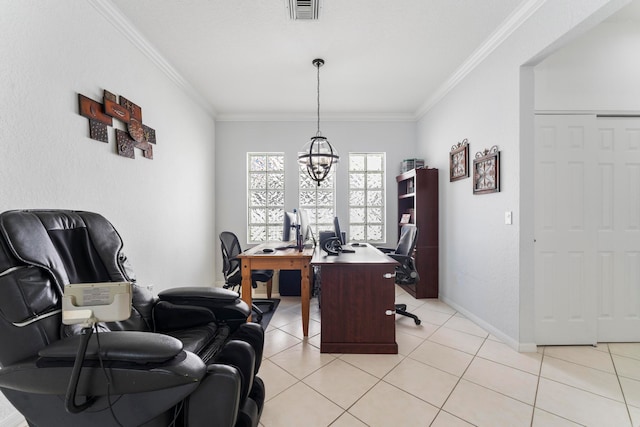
(125, 144)
(486, 171)
(149, 134)
(459, 161)
(101, 116)
(98, 131)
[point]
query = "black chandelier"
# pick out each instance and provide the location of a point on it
(318, 156)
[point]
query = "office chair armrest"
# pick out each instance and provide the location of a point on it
(116, 346)
(193, 293)
(172, 317)
(225, 304)
(400, 258)
(385, 250)
(136, 361)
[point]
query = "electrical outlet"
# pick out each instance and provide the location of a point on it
(507, 218)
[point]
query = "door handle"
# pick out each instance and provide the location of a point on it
(389, 275)
(390, 312)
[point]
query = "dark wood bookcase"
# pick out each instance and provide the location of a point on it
(418, 197)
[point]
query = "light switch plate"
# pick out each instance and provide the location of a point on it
(507, 218)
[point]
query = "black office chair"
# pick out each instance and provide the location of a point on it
(233, 275)
(184, 358)
(406, 272)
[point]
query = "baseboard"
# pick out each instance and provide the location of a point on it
(514, 344)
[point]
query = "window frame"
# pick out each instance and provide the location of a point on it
(363, 234)
(273, 212)
(327, 186)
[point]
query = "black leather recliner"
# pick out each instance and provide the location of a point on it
(184, 358)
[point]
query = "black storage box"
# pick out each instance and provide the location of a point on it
(289, 283)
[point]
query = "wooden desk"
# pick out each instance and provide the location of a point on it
(357, 301)
(285, 259)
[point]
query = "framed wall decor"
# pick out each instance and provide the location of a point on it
(486, 171)
(459, 161)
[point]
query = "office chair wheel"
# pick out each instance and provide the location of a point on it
(417, 321)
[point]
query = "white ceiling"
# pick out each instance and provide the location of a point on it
(383, 58)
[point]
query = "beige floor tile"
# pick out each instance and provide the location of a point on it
(546, 419)
(275, 378)
(631, 390)
(386, 406)
(341, 382)
(286, 316)
(588, 379)
(404, 325)
(423, 381)
(348, 420)
(407, 343)
(314, 341)
(295, 329)
(512, 382)
(301, 359)
(484, 407)
(635, 416)
(377, 365)
(582, 355)
(580, 406)
(301, 403)
(445, 419)
(462, 324)
(631, 349)
(437, 305)
(445, 358)
(502, 353)
(627, 367)
(456, 339)
(276, 341)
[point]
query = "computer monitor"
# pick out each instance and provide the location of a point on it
(336, 230)
(288, 223)
(303, 222)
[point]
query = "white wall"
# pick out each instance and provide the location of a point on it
(235, 139)
(163, 208)
(597, 72)
(485, 265)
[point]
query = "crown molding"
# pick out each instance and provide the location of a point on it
(114, 16)
(506, 29)
(309, 117)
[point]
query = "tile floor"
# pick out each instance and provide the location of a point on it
(448, 373)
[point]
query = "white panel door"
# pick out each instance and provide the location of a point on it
(587, 229)
(618, 233)
(565, 230)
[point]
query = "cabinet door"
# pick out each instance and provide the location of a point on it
(355, 302)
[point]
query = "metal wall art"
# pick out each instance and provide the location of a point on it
(459, 161)
(486, 171)
(137, 135)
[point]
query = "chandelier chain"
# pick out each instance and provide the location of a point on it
(318, 92)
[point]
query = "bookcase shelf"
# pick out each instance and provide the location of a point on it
(418, 196)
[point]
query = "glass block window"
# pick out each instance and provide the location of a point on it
(367, 196)
(318, 201)
(265, 178)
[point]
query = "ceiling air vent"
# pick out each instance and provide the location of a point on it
(304, 9)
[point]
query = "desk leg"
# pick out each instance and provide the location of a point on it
(246, 283)
(305, 271)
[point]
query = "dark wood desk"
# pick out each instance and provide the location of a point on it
(357, 301)
(285, 259)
